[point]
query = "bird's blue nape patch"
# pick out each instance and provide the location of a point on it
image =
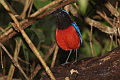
(78, 30)
(64, 11)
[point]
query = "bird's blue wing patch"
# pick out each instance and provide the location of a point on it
(78, 30)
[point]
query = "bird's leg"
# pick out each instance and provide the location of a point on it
(67, 58)
(76, 55)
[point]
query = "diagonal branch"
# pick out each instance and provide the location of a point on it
(26, 22)
(112, 9)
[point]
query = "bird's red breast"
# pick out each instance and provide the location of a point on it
(68, 38)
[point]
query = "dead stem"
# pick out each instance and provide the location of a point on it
(50, 52)
(112, 9)
(14, 61)
(16, 53)
(103, 28)
(36, 70)
(38, 67)
(54, 56)
(91, 46)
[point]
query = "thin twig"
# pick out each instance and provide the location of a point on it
(54, 56)
(119, 41)
(23, 61)
(16, 53)
(13, 60)
(91, 46)
(30, 9)
(36, 70)
(50, 52)
(26, 7)
(12, 10)
(104, 16)
(45, 8)
(103, 28)
(47, 55)
(112, 9)
(111, 42)
(2, 66)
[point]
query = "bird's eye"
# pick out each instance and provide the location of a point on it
(60, 12)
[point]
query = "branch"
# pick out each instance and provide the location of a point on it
(112, 9)
(96, 68)
(104, 16)
(103, 28)
(26, 22)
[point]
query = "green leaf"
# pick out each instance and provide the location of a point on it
(83, 5)
(97, 49)
(39, 34)
(18, 39)
(40, 3)
(26, 54)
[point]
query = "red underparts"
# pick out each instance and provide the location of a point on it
(68, 38)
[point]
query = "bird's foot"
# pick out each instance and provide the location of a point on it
(65, 63)
(74, 62)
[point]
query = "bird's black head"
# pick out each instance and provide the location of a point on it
(59, 11)
(63, 19)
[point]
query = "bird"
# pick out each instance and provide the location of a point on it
(68, 35)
